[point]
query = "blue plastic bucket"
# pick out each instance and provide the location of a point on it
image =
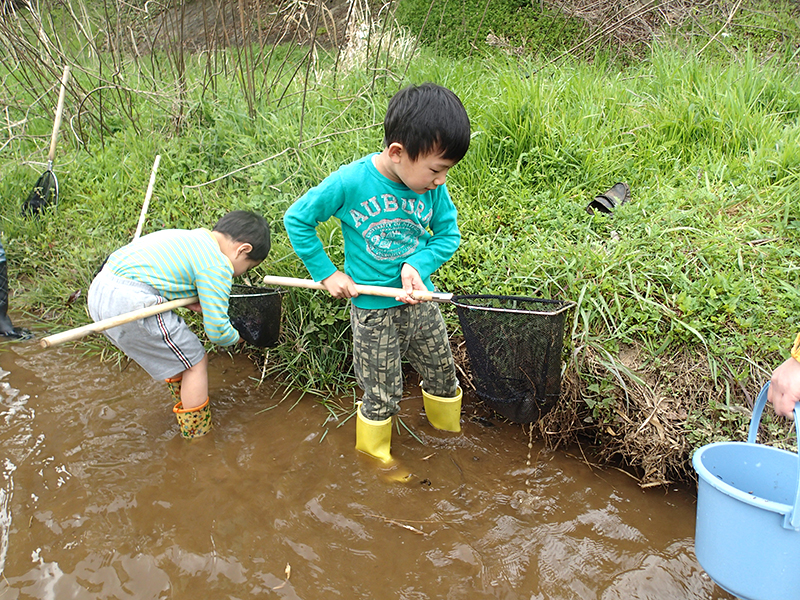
(747, 536)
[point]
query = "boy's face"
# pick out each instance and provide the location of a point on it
(242, 264)
(422, 175)
(239, 255)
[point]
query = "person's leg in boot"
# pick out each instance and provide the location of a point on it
(430, 354)
(373, 436)
(443, 412)
(193, 411)
(376, 361)
(6, 326)
(163, 345)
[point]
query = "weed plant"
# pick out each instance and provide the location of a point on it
(686, 295)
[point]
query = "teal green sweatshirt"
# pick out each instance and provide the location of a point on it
(384, 224)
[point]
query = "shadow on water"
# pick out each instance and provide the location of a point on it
(101, 498)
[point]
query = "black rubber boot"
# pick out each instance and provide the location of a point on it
(6, 327)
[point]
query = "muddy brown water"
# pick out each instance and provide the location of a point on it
(101, 498)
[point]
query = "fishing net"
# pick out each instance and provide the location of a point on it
(43, 194)
(255, 312)
(514, 346)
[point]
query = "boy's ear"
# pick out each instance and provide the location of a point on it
(395, 151)
(245, 248)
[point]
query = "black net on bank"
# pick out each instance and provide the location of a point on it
(255, 312)
(514, 346)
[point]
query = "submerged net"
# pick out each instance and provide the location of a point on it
(255, 312)
(514, 346)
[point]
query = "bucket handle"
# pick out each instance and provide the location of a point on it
(792, 519)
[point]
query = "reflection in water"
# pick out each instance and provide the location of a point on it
(17, 444)
(102, 498)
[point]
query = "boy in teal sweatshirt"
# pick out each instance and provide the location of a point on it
(399, 225)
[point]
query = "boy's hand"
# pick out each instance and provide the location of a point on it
(195, 307)
(411, 281)
(340, 285)
(784, 388)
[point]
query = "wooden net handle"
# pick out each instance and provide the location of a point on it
(367, 290)
(59, 111)
(98, 326)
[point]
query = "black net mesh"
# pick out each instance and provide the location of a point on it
(43, 194)
(514, 347)
(255, 312)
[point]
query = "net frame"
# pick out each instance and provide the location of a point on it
(514, 344)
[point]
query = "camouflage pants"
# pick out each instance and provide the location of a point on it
(382, 338)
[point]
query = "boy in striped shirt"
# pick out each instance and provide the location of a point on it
(168, 265)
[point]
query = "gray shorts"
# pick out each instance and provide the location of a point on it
(163, 345)
(382, 338)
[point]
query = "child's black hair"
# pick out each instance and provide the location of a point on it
(427, 118)
(248, 227)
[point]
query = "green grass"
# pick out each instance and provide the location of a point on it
(460, 28)
(686, 296)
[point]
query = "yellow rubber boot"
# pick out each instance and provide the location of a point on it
(174, 385)
(194, 422)
(374, 437)
(443, 413)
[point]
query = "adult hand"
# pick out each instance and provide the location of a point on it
(340, 285)
(411, 281)
(784, 388)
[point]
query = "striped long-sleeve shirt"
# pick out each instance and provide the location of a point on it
(179, 264)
